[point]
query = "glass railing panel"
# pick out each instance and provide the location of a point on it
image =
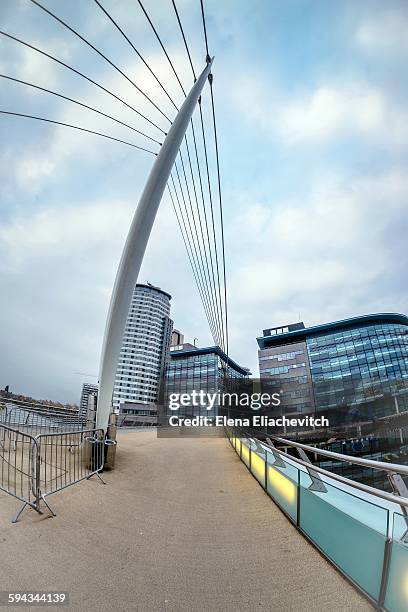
(245, 451)
(238, 446)
(282, 485)
(396, 597)
(288, 470)
(355, 547)
(258, 463)
(352, 502)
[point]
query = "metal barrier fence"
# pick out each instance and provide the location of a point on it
(34, 421)
(34, 467)
(18, 453)
(371, 547)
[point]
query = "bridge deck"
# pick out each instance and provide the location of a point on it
(181, 526)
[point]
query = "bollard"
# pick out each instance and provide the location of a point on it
(110, 442)
(88, 452)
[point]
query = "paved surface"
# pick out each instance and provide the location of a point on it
(180, 526)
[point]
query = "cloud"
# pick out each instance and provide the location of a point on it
(329, 112)
(52, 231)
(305, 231)
(59, 149)
(384, 33)
(320, 257)
(57, 267)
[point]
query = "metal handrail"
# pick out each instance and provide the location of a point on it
(24, 404)
(391, 468)
(295, 511)
(41, 411)
(390, 497)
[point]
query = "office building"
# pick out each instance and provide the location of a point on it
(88, 390)
(177, 338)
(145, 347)
(351, 371)
(207, 369)
(137, 414)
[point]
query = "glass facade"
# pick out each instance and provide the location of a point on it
(201, 369)
(351, 371)
(285, 370)
(354, 372)
(145, 347)
(364, 370)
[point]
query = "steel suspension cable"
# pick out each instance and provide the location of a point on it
(217, 267)
(89, 44)
(221, 215)
(189, 250)
(202, 240)
(204, 29)
(91, 108)
(210, 306)
(213, 283)
(109, 16)
(172, 66)
(84, 76)
(213, 287)
(182, 88)
(184, 239)
(190, 199)
(184, 38)
(162, 46)
(193, 250)
(210, 78)
(76, 127)
(199, 267)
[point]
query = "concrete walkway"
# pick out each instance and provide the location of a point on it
(181, 526)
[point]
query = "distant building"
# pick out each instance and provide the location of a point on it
(88, 389)
(177, 338)
(145, 347)
(207, 369)
(351, 370)
(136, 414)
(186, 346)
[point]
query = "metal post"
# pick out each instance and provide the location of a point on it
(317, 483)
(134, 249)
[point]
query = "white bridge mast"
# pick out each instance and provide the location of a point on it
(134, 249)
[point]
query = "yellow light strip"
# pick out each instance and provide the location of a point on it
(283, 485)
(258, 467)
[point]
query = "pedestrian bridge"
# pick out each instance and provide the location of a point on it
(183, 525)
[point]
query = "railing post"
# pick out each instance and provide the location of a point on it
(385, 571)
(298, 501)
(37, 474)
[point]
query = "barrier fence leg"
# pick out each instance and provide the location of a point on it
(98, 475)
(48, 505)
(20, 512)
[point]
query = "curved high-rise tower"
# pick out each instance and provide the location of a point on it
(145, 347)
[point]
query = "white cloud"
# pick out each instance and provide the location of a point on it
(327, 252)
(58, 265)
(330, 111)
(54, 154)
(64, 230)
(386, 32)
(320, 257)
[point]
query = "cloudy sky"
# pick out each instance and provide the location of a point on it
(313, 124)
